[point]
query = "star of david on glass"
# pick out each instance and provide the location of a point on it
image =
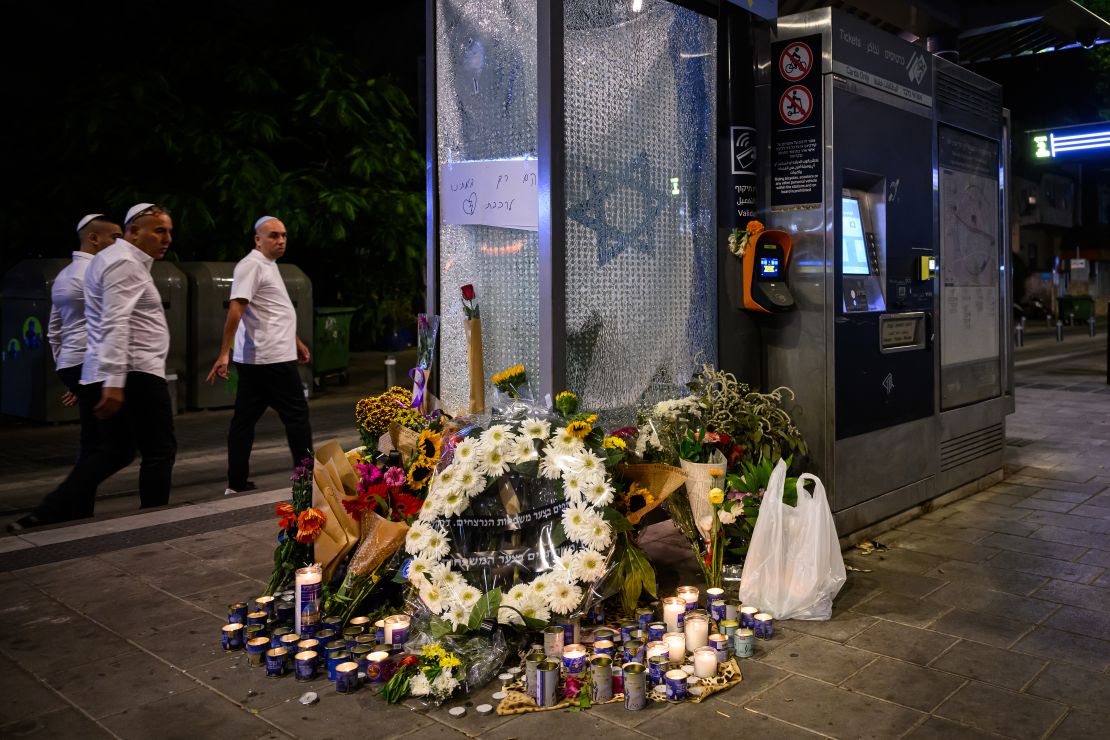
(634, 177)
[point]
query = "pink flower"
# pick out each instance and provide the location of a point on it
(395, 477)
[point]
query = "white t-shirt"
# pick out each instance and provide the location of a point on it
(268, 331)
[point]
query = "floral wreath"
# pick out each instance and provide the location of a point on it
(741, 239)
(533, 447)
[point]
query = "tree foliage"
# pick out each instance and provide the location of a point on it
(223, 128)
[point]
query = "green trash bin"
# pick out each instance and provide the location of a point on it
(331, 353)
(1076, 308)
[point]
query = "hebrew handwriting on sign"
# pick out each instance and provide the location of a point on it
(494, 192)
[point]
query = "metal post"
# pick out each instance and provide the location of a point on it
(1048, 320)
(1059, 330)
(1071, 319)
(1091, 325)
(390, 371)
(1020, 335)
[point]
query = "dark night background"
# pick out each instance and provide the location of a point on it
(308, 111)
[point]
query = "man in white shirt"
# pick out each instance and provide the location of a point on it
(66, 330)
(125, 372)
(263, 324)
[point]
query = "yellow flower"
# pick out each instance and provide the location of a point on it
(429, 445)
(716, 472)
(579, 429)
(591, 419)
(716, 496)
(614, 443)
(433, 650)
(566, 402)
(450, 661)
(420, 472)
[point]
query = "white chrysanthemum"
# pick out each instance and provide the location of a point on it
(576, 520)
(507, 612)
(418, 684)
(457, 615)
(588, 566)
(444, 479)
(466, 451)
(535, 428)
(599, 535)
(497, 437)
(589, 464)
(419, 569)
(444, 684)
(573, 486)
(416, 541)
(471, 482)
(453, 502)
(541, 588)
(466, 596)
(497, 463)
(565, 598)
(536, 610)
(599, 493)
(727, 517)
(436, 545)
(567, 443)
(432, 598)
(437, 571)
(449, 580)
(549, 464)
(522, 450)
(518, 592)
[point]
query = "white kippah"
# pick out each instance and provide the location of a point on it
(85, 221)
(263, 220)
(135, 209)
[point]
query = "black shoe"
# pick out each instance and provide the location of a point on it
(248, 486)
(26, 522)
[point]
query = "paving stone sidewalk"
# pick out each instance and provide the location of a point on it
(989, 617)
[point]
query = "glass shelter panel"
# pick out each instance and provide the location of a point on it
(640, 96)
(486, 101)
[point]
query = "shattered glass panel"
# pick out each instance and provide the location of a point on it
(486, 98)
(640, 91)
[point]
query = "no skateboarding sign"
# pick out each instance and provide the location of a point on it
(796, 104)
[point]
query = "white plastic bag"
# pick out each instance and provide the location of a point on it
(794, 568)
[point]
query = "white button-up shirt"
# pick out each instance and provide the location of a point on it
(127, 328)
(66, 330)
(267, 332)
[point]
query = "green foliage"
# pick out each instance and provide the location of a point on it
(632, 574)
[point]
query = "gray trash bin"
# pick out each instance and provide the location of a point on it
(174, 288)
(31, 388)
(209, 297)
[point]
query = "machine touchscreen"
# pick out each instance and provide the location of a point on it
(853, 243)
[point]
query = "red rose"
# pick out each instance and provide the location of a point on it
(468, 292)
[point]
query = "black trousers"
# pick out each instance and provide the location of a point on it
(276, 386)
(144, 423)
(71, 379)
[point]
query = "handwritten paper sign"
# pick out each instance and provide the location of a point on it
(494, 192)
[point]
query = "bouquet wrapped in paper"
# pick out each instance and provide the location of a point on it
(427, 327)
(474, 361)
(334, 480)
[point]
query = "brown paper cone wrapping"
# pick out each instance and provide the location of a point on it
(404, 441)
(333, 479)
(475, 365)
(661, 480)
(380, 539)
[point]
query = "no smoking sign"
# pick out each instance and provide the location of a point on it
(795, 61)
(796, 104)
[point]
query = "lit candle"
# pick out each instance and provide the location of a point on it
(397, 629)
(715, 600)
(714, 594)
(265, 604)
(603, 647)
(743, 643)
(676, 646)
(657, 648)
(379, 630)
(674, 612)
(346, 678)
(574, 658)
(764, 626)
(373, 666)
(689, 594)
(697, 632)
(309, 583)
(747, 616)
(705, 662)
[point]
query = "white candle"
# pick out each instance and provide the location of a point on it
(697, 632)
(714, 594)
(657, 648)
(308, 583)
(705, 662)
(397, 627)
(674, 609)
(676, 646)
(689, 594)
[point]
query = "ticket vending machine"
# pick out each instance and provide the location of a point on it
(850, 173)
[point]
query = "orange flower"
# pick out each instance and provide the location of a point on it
(754, 228)
(309, 524)
(287, 514)
(716, 472)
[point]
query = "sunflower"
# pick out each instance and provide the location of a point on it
(566, 402)
(429, 445)
(614, 443)
(579, 429)
(637, 497)
(420, 472)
